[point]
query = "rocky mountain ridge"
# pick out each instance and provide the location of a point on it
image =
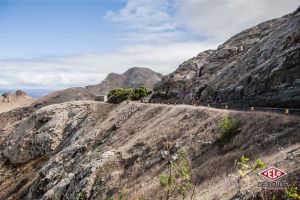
(133, 77)
(257, 67)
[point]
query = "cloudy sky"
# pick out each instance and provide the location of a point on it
(63, 43)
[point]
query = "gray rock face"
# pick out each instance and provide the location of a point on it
(257, 67)
(44, 131)
(133, 77)
(178, 86)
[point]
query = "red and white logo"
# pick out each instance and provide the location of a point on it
(273, 173)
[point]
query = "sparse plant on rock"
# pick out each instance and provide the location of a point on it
(57, 198)
(245, 169)
(291, 193)
(79, 196)
(177, 179)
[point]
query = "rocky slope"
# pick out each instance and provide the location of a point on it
(70, 94)
(257, 67)
(98, 150)
(133, 77)
(10, 101)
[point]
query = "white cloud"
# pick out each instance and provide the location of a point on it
(177, 20)
(147, 21)
(140, 13)
(85, 69)
(221, 19)
(165, 32)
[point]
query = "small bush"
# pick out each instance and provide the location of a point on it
(177, 179)
(119, 95)
(79, 196)
(244, 166)
(229, 126)
(245, 170)
(292, 193)
(229, 129)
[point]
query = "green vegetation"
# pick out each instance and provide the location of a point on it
(119, 95)
(177, 179)
(229, 129)
(291, 193)
(245, 169)
(140, 92)
(79, 196)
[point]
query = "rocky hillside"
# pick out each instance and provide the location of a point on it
(98, 150)
(70, 94)
(10, 101)
(133, 77)
(66, 147)
(257, 67)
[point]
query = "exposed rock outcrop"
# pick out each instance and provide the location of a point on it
(178, 86)
(133, 77)
(98, 149)
(10, 101)
(70, 94)
(257, 67)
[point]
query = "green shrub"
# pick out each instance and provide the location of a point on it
(113, 92)
(229, 129)
(245, 170)
(229, 126)
(79, 196)
(177, 179)
(292, 193)
(140, 92)
(119, 95)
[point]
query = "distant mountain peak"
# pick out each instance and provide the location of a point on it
(132, 77)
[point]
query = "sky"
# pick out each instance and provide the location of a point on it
(66, 43)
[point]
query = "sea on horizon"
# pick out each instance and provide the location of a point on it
(34, 93)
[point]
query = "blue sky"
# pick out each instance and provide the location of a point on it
(35, 28)
(59, 44)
